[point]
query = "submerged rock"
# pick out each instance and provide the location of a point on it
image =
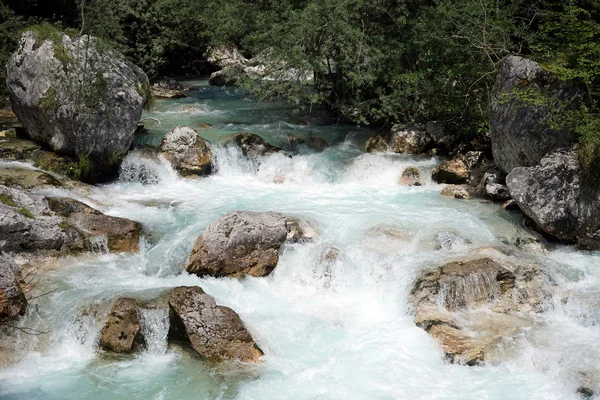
(101, 127)
(521, 131)
(556, 197)
(453, 172)
(12, 299)
(188, 153)
(122, 332)
(317, 144)
(253, 145)
(216, 332)
(411, 176)
(449, 300)
(242, 243)
(455, 192)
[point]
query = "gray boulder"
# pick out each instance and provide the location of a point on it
(188, 153)
(243, 243)
(216, 332)
(78, 100)
(12, 300)
(228, 76)
(454, 172)
(555, 196)
(521, 132)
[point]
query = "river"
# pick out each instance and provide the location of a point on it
(331, 327)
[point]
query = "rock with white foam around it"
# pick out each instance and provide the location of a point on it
(470, 307)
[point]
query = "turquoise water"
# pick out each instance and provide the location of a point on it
(337, 330)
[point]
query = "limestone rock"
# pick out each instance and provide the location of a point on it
(102, 127)
(15, 149)
(408, 139)
(216, 332)
(242, 243)
(122, 332)
(453, 172)
(556, 197)
(188, 153)
(411, 176)
(229, 76)
(12, 300)
(521, 132)
(225, 55)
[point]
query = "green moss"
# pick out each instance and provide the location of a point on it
(26, 212)
(64, 225)
(48, 101)
(7, 199)
(46, 31)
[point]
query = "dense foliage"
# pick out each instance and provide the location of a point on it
(373, 61)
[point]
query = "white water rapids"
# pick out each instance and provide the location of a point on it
(331, 327)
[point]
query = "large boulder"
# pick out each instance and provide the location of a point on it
(471, 307)
(555, 195)
(242, 243)
(521, 129)
(12, 299)
(77, 99)
(188, 153)
(122, 332)
(216, 332)
(225, 55)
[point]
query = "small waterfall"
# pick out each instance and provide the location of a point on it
(155, 327)
(230, 161)
(477, 287)
(98, 244)
(141, 167)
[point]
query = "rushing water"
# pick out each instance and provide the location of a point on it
(333, 318)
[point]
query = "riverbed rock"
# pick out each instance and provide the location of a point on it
(228, 76)
(377, 144)
(472, 306)
(225, 55)
(317, 144)
(27, 178)
(15, 149)
(216, 332)
(242, 243)
(521, 131)
(556, 197)
(97, 229)
(12, 299)
(167, 83)
(493, 185)
(122, 332)
(253, 145)
(455, 192)
(454, 172)
(188, 153)
(99, 128)
(409, 139)
(411, 176)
